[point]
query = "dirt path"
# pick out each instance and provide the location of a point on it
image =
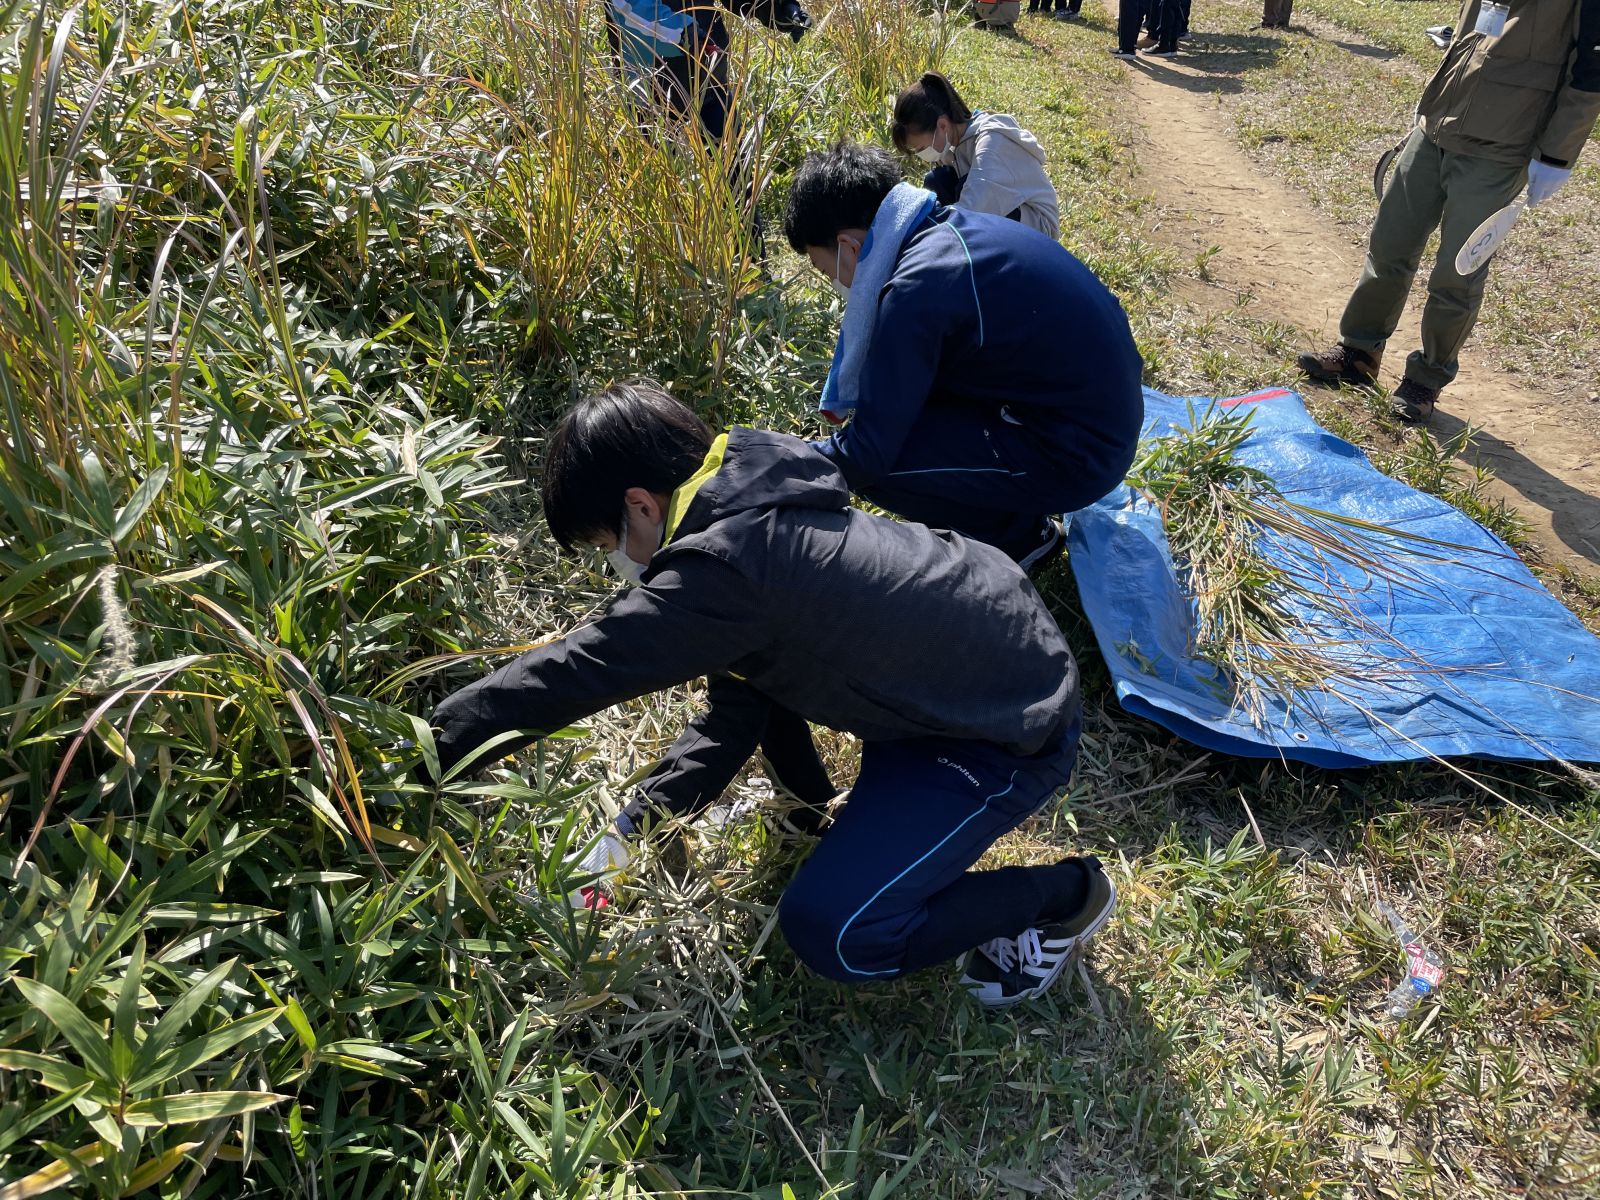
(1300, 267)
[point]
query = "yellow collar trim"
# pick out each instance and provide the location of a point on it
(679, 504)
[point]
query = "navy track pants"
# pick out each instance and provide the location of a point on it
(887, 889)
(976, 472)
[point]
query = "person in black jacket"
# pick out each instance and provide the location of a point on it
(751, 568)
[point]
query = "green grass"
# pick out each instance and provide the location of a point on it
(1392, 24)
(254, 521)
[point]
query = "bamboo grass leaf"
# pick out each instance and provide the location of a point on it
(82, 1034)
(139, 503)
(153, 1171)
(180, 1013)
(203, 1049)
(187, 1108)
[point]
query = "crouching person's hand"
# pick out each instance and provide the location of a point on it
(603, 860)
(793, 20)
(944, 183)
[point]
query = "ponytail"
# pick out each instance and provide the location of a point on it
(918, 108)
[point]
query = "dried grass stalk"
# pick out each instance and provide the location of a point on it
(1288, 599)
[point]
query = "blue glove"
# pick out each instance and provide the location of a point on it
(1544, 181)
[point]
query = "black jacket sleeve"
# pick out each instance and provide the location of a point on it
(765, 11)
(1577, 104)
(788, 16)
(708, 754)
(944, 182)
(711, 751)
(693, 618)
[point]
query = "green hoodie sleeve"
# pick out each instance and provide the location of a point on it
(1578, 103)
(692, 619)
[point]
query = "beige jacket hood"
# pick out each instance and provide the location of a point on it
(1002, 170)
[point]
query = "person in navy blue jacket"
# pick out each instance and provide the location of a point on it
(990, 381)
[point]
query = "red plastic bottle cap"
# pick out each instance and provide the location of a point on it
(593, 897)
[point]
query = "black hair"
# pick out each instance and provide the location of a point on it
(918, 108)
(632, 434)
(837, 188)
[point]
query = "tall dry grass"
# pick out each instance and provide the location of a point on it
(267, 270)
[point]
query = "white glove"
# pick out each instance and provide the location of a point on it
(1544, 181)
(605, 858)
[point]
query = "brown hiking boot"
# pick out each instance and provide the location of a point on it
(1342, 364)
(1413, 402)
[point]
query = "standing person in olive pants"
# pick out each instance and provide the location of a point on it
(1512, 104)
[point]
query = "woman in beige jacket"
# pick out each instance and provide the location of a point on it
(983, 162)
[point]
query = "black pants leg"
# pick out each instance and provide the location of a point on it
(1130, 16)
(736, 721)
(687, 84)
(795, 766)
(1170, 24)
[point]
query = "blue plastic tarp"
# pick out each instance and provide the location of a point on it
(1487, 662)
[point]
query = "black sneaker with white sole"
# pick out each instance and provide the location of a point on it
(1009, 970)
(1052, 533)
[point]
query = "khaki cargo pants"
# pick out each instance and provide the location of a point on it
(1431, 188)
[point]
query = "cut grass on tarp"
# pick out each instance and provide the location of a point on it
(1279, 587)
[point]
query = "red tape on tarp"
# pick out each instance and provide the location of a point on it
(1253, 397)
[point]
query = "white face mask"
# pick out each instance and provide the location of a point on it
(932, 154)
(835, 283)
(623, 567)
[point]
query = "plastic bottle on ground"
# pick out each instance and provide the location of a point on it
(1424, 968)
